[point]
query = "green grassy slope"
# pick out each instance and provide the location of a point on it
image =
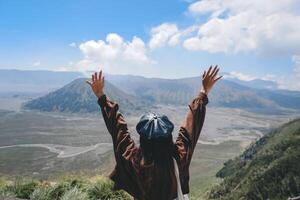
(268, 169)
(65, 188)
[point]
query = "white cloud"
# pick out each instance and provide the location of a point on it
(168, 34)
(103, 50)
(288, 81)
(292, 81)
(240, 76)
(37, 63)
(135, 50)
(296, 60)
(285, 82)
(268, 27)
(161, 35)
(203, 7)
(233, 26)
(73, 45)
(113, 54)
(114, 48)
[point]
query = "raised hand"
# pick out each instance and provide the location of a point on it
(97, 84)
(209, 78)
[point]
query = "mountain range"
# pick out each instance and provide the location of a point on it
(137, 92)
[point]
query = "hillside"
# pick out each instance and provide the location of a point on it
(268, 169)
(134, 93)
(225, 94)
(77, 96)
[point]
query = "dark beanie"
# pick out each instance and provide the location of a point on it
(153, 125)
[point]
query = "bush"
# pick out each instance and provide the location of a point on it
(68, 188)
(21, 189)
(42, 193)
(74, 194)
(103, 189)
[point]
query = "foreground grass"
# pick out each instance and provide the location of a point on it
(207, 161)
(66, 188)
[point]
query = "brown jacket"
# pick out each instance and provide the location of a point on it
(146, 181)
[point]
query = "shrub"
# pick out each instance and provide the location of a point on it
(68, 188)
(103, 189)
(42, 193)
(21, 189)
(74, 194)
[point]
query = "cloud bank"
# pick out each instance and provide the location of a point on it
(263, 27)
(267, 27)
(112, 52)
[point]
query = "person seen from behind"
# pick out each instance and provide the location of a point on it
(158, 168)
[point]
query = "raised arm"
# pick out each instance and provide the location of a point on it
(124, 146)
(114, 120)
(191, 127)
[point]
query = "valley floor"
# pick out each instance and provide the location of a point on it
(45, 145)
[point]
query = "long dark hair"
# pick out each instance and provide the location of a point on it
(158, 150)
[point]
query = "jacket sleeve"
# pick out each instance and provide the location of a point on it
(117, 127)
(124, 147)
(190, 129)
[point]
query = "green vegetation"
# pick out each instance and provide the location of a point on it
(67, 188)
(268, 169)
(207, 160)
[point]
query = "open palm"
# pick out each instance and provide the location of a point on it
(209, 78)
(97, 84)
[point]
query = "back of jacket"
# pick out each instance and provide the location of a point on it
(150, 181)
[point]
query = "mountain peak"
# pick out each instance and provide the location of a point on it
(77, 96)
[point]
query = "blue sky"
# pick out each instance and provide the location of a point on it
(170, 38)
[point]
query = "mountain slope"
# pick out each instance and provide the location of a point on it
(226, 93)
(181, 91)
(268, 169)
(136, 92)
(77, 96)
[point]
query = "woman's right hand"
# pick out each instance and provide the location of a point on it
(209, 78)
(97, 84)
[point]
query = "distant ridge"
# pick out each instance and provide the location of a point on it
(142, 92)
(225, 94)
(136, 93)
(77, 96)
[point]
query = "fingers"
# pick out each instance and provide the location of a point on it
(208, 72)
(216, 70)
(204, 74)
(213, 71)
(89, 82)
(218, 78)
(100, 75)
(96, 76)
(102, 80)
